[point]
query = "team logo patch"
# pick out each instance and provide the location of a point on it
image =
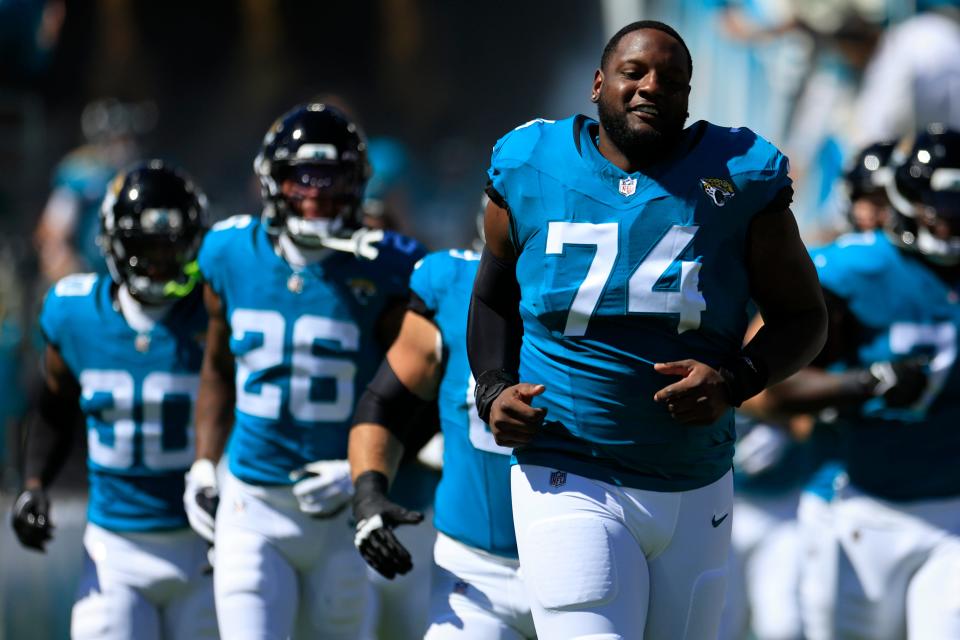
(363, 289)
(628, 186)
(717, 189)
(558, 478)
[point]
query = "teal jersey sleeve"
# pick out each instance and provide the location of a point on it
(430, 279)
(59, 306)
(216, 259)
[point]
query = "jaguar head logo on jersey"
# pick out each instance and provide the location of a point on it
(363, 290)
(717, 189)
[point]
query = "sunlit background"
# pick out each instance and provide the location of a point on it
(85, 87)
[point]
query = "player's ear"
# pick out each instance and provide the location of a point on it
(597, 85)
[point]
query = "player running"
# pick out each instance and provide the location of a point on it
(303, 303)
(126, 351)
(476, 590)
(613, 246)
(890, 370)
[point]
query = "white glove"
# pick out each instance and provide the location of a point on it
(431, 455)
(760, 449)
(200, 498)
(323, 488)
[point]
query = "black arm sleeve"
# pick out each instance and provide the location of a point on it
(494, 329)
(50, 435)
(388, 403)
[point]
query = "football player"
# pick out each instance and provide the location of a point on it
(126, 351)
(303, 303)
(895, 313)
(625, 253)
(476, 590)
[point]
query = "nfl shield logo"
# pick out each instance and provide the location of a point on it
(628, 186)
(559, 478)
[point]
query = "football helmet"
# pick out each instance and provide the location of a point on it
(925, 193)
(151, 223)
(317, 146)
(864, 183)
(870, 170)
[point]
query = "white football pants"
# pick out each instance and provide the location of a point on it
(476, 595)
(282, 574)
(897, 569)
(146, 586)
(763, 581)
(606, 562)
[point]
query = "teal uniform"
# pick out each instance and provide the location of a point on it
(618, 271)
(137, 396)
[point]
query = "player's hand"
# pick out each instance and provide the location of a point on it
(376, 518)
(201, 498)
(513, 421)
(699, 398)
(323, 488)
(31, 519)
(900, 383)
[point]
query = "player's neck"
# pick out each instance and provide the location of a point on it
(637, 161)
(141, 317)
(297, 255)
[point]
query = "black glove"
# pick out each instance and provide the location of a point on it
(900, 383)
(376, 517)
(31, 519)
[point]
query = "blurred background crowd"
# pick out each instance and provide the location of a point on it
(87, 86)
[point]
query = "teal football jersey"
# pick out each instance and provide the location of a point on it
(906, 310)
(618, 271)
(304, 342)
(473, 499)
(137, 397)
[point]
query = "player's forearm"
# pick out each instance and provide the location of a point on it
(49, 440)
(788, 342)
(215, 403)
(494, 327)
(372, 447)
(809, 390)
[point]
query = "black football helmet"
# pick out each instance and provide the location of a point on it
(151, 223)
(925, 193)
(864, 183)
(870, 170)
(315, 145)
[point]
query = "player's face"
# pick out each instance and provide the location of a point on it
(316, 192)
(870, 212)
(643, 91)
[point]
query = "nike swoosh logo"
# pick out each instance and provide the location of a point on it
(715, 522)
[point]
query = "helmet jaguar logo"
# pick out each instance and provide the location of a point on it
(717, 189)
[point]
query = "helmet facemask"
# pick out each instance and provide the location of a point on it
(151, 226)
(313, 170)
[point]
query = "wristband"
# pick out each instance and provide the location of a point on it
(490, 385)
(743, 378)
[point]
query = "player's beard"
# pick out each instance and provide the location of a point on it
(640, 146)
